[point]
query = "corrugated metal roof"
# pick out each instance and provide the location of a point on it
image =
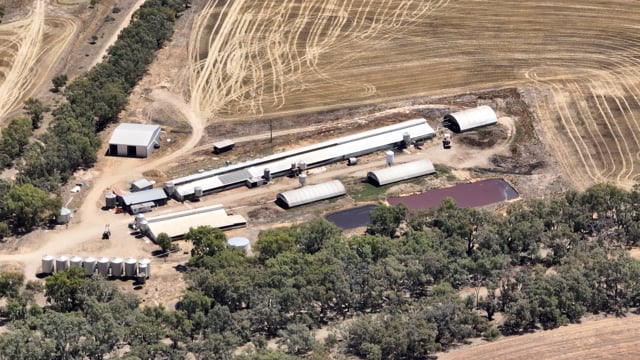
(141, 183)
(178, 224)
(139, 197)
(312, 193)
(133, 134)
(339, 149)
(473, 118)
(223, 144)
(402, 172)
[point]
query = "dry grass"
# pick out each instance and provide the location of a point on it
(579, 61)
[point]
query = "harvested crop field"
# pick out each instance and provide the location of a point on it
(612, 338)
(29, 48)
(577, 62)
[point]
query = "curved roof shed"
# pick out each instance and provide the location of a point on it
(471, 118)
(312, 193)
(401, 172)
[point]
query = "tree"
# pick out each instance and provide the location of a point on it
(59, 81)
(63, 288)
(35, 109)
(28, 206)
(297, 339)
(207, 241)
(314, 235)
(10, 283)
(272, 242)
(386, 219)
(164, 241)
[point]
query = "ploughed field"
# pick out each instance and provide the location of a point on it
(576, 60)
(29, 48)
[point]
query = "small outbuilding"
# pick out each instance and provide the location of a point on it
(465, 120)
(222, 146)
(312, 193)
(144, 198)
(141, 184)
(401, 172)
(134, 140)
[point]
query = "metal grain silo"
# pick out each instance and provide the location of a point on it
(47, 264)
(390, 156)
(64, 216)
(130, 267)
(110, 200)
(143, 226)
(146, 263)
(142, 274)
(103, 266)
(89, 265)
(75, 261)
(116, 267)
(62, 263)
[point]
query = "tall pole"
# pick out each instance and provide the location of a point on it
(270, 131)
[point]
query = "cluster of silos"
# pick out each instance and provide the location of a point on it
(115, 267)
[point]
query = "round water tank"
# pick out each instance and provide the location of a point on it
(302, 166)
(143, 226)
(352, 161)
(47, 264)
(64, 216)
(130, 267)
(90, 265)
(110, 200)
(197, 191)
(302, 178)
(406, 139)
(390, 156)
(116, 267)
(267, 174)
(146, 263)
(103, 266)
(75, 261)
(62, 263)
(239, 242)
(169, 188)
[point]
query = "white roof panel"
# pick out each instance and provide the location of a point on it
(473, 118)
(402, 172)
(178, 224)
(312, 193)
(139, 197)
(133, 134)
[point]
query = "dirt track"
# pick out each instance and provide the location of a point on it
(577, 60)
(611, 338)
(29, 49)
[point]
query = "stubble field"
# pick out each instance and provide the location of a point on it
(578, 63)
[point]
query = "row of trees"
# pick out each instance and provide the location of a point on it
(544, 264)
(92, 101)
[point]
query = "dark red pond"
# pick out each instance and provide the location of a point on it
(351, 218)
(475, 194)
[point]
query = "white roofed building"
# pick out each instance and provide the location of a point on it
(401, 172)
(134, 140)
(465, 120)
(311, 193)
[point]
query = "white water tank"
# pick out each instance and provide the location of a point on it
(145, 264)
(75, 262)
(103, 266)
(239, 242)
(352, 161)
(130, 267)
(390, 156)
(406, 139)
(90, 265)
(116, 267)
(47, 264)
(302, 178)
(110, 200)
(62, 263)
(197, 191)
(64, 216)
(143, 226)
(169, 188)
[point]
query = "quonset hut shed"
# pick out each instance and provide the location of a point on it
(134, 140)
(312, 193)
(401, 172)
(465, 120)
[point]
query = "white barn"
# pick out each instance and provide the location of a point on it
(134, 140)
(401, 172)
(470, 119)
(311, 193)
